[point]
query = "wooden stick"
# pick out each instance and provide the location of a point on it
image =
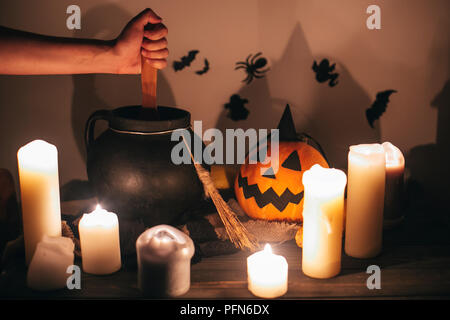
(149, 80)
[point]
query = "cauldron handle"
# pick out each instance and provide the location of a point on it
(90, 125)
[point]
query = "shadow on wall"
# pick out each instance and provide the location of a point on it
(333, 116)
(339, 119)
(429, 164)
(106, 91)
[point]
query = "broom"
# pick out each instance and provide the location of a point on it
(236, 231)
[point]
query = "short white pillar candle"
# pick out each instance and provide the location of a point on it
(48, 267)
(164, 261)
(267, 274)
(99, 241)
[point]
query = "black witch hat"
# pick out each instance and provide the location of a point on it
(286, 126)
(287, 132)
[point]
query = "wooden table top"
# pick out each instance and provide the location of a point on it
(415, 263)
(407, 271)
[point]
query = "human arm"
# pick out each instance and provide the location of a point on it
(29, 53)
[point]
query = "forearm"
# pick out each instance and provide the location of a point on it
(29, 53)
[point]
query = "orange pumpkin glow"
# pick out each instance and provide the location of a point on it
(279, 196)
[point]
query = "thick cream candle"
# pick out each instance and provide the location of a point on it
(39, 189)
(365, 200)
(267, 274)
(323, 221)
(395, 166)
(99, 241)
(48, 268)
(164, 261)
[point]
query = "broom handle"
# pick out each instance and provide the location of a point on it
(148, 78)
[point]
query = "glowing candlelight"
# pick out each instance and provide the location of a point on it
(39, 188)
(99, 241)
(267, 274)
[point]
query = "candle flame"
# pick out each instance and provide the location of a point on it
(267, 248)
(99, 217)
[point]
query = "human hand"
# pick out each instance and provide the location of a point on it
(146, 35)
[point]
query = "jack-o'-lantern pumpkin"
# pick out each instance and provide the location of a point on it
(277, 196)
(264, 194)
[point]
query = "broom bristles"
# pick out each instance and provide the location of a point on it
(236, 231)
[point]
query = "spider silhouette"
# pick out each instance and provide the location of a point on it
(253, 67)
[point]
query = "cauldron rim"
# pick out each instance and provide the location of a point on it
(132, 118)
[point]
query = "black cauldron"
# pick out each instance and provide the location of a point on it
(130, 169)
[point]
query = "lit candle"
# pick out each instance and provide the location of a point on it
(164, 261)
(395, 166)
(323, 221)
(39, 189)
(99, 241)
(267, 274)
(365, 200)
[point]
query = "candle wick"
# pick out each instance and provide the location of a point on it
(268, 248)
(163, 235)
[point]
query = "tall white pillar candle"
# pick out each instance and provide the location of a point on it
(323, 221)
(365, 200)
(164, 261)
(99, 241)
(395, 166)
(267, 274)
(39, 189)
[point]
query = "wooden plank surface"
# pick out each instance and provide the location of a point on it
(415, 263)
(406, 271)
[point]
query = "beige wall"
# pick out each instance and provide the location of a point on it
(409, 54)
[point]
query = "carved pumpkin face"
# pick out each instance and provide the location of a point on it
(277, 196)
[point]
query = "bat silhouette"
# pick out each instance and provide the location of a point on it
(185, 61)
(205, 68)
(379, 106)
